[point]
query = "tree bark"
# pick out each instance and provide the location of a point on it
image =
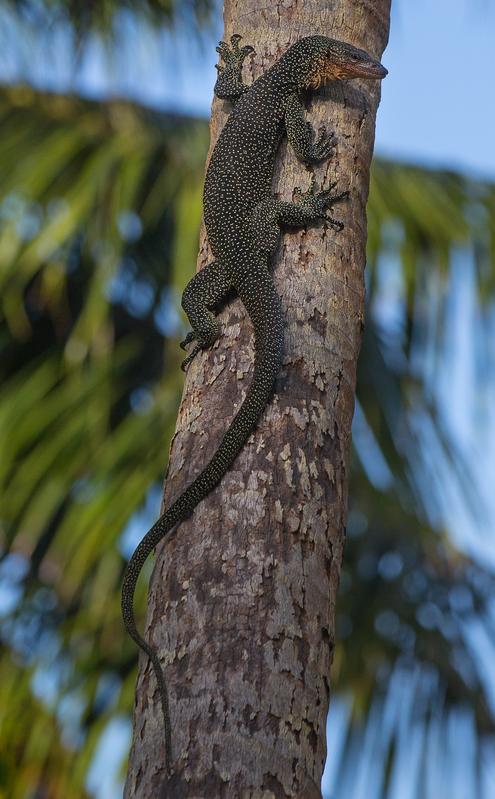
(242, 598)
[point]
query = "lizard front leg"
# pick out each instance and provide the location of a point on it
(301, 135)
(311, 207)
(205, 291)
(229, 85)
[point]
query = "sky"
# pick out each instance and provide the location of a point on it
(436, 106)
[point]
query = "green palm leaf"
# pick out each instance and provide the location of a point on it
(99, 212)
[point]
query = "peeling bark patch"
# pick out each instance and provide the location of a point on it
(250, 716)
(301, 419)
(318, 323)
(293, 521)
(178, 787)
(302, 466)
(218, 367)
(329, 469)
(274, 787)
(285, 458)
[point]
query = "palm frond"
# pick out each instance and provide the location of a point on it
(99, 212)
(92, 15)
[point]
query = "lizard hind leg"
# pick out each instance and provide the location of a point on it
(205, 291)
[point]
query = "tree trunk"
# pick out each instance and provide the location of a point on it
(242, 598)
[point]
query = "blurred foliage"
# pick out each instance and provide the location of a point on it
(100, 208)
(94, 15)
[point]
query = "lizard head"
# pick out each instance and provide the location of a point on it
(329, 59)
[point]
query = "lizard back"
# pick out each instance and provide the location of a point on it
(240, 171)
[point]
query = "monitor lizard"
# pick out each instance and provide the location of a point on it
(243, 223)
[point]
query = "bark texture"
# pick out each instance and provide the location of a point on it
(242, 598)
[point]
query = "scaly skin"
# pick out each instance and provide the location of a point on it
(243, 226)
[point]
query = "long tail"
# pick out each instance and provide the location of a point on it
(263, 306)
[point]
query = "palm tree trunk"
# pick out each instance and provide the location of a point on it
(242, 598)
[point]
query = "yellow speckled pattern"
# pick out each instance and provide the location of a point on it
(243, 224)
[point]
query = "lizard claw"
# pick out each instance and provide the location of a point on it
(223, 49)
(322, 148)
(190, 337)
(244, 51)
(234, 41)
(229, 85)
(315, 202)
(185, 363)
(336, 224)
(234, 56)
(203, 338)
(328, 192)
(336, 198)
(330, 200)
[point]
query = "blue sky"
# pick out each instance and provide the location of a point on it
(436, 107)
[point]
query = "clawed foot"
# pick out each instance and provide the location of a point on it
(190, 337)
(185, 363)
(322, 148)
(203, 339)
(229, 83)
(315, 203)
(235, 55)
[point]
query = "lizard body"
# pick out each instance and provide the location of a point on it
(243, 226)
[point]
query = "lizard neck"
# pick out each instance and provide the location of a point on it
(291, 73)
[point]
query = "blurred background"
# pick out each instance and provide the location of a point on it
(103, 136)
